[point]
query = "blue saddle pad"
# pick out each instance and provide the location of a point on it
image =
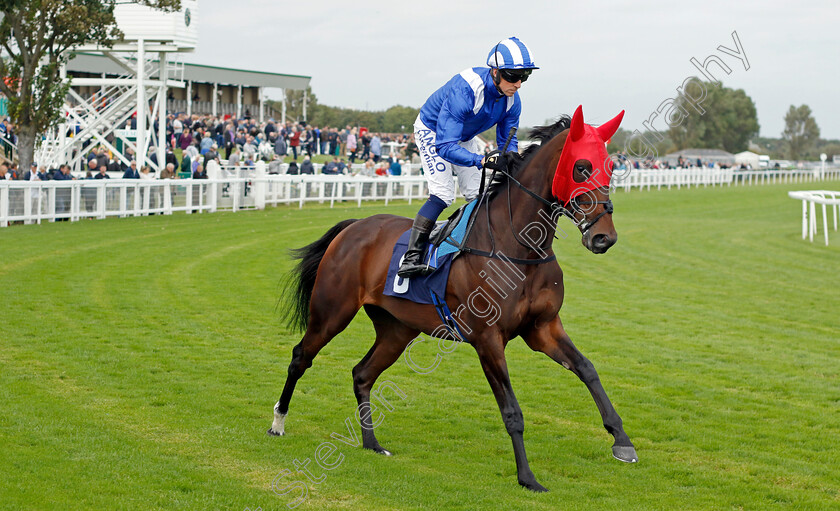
(422, 289)
(417, 289)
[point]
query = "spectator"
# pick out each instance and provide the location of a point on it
(368, 169)
(177, 130)
(4, 173)
(306, 167)
(151, 155)
(342, 139)
(235, 158)
(376, 147)
(185, 140)
(275, 165)
(211, 155)
(266, 150)
(131, 172)
(170, 157)
(280, 148)
(331, 167)
(351, 144)
(62, 195)
(102, 158)
(229, 139)
(186, 164)
(199, 173)
(411, 149)
(333, 139)
(206, 144)
(103, 173)
(63, 173)
(249, 148)
(270, 128)
(168, 172)
(295, 142)
(366, 145)
(33, 170)
(395, 168)
(192, 152)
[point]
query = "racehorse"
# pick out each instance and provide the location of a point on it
(345, 270)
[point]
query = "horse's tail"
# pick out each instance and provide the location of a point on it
(301, 279)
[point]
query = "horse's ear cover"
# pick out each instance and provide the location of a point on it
(584, 142)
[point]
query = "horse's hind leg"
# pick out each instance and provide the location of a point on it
(553, 340)
(330, 314)
(392, 337)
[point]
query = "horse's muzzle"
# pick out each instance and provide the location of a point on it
(599, 243)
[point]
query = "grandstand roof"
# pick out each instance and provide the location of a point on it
(93, 63)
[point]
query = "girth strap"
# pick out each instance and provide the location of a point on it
(515, 260)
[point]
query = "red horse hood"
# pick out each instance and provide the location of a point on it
(584, 142)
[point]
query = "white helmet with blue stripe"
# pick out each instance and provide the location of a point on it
(511, 53)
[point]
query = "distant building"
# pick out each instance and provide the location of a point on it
(748, 158)
(208, 90)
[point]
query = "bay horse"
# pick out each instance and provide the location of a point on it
(346, 269)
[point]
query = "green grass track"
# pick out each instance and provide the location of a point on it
(140, 359)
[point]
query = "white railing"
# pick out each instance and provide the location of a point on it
(810, 199)
(702, 176)
(234, 189)
(39, 201)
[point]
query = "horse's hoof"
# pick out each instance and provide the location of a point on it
(534, 486)
(625, 453)
(271, 432)
(378, 449)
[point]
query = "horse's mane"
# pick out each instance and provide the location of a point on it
(517, 161)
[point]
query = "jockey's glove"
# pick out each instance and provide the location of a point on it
(496, 160)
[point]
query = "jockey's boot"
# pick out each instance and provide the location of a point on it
(412, 265)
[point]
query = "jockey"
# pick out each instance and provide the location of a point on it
(446, 132)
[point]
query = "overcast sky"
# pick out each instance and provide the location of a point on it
(605, 55)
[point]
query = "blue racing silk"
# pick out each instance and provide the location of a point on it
(467, 105)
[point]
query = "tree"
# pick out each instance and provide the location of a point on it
(395, 119)
(724, 119)
(801, 131)
(294, 104)
(35, 36)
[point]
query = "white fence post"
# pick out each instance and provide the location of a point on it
(214, 172)
(259, 185)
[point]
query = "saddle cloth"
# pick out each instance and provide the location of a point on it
(444, 246)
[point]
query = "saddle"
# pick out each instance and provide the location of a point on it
(444, 228)
(448, 236)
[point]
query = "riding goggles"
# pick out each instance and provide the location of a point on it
(514, 75)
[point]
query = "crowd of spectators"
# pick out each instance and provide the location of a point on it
(193, 141)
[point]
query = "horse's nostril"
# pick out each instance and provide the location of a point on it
(600, 240)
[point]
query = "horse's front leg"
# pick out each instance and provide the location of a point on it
(551, 339)
(491, 353)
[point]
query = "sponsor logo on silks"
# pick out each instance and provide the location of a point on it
(430, 154)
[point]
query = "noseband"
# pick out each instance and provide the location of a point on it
(576, 208)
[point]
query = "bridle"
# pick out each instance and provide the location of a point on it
(574, 207)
